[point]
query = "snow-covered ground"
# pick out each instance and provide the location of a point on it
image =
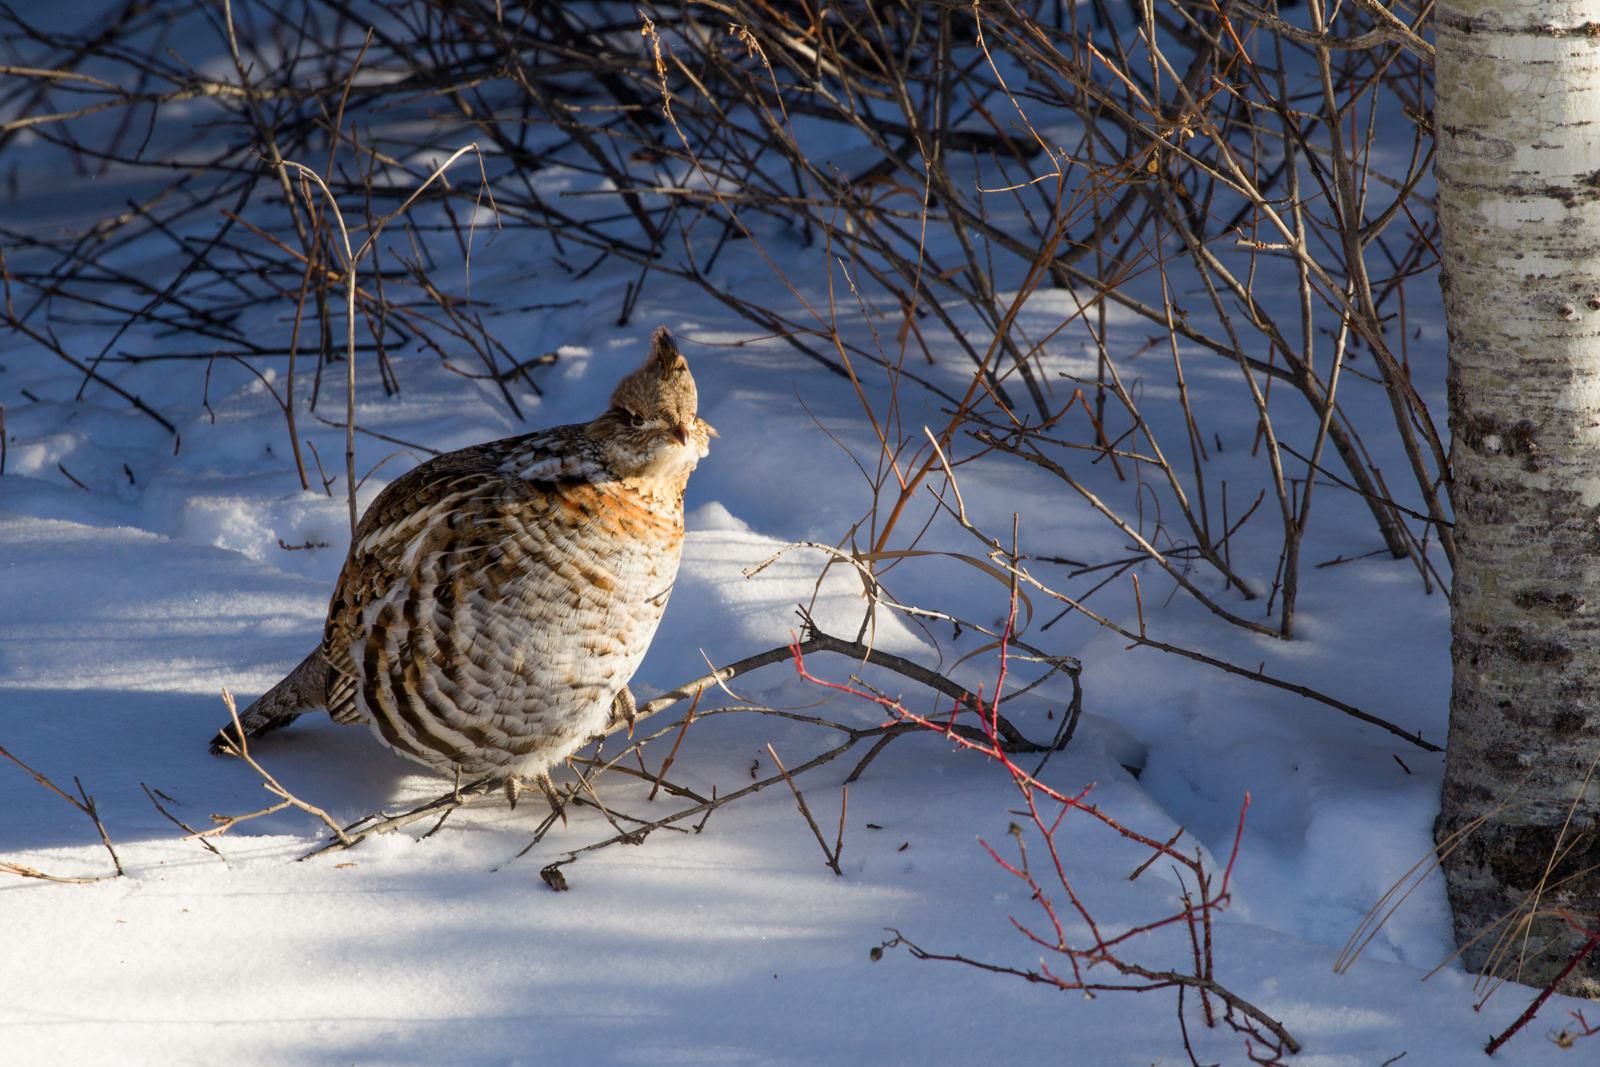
(128, 603)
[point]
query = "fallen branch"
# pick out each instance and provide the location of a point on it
(1012, 740)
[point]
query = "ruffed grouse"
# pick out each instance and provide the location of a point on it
(496, 600)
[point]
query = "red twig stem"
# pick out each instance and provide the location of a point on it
(1103, 948)
(1538, 1002)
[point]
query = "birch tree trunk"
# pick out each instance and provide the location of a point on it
(1517, 116)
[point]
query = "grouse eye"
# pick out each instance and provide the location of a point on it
(634, 418)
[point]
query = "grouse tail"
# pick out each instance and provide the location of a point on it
(305, 689)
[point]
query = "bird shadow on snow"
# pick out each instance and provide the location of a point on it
(114, 741)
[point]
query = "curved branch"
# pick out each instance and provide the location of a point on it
(1388, 29)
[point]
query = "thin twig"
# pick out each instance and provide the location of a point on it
(85, 805)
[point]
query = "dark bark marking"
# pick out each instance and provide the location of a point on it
(1550, 602)
(1512, 642)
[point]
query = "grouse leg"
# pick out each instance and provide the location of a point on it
(623, 706)
(542, 779)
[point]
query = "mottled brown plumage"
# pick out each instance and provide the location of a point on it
(496, 600)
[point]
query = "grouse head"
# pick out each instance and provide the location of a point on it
(651, 429)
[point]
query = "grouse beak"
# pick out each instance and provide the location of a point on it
(681, 433)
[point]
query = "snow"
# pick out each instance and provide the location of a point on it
(127, 605)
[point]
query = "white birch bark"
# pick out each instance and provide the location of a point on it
(1517, 117)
